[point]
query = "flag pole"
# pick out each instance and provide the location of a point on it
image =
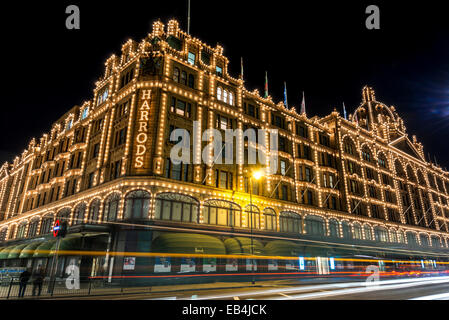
(188, 16)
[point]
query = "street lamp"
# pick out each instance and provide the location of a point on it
(256, 175)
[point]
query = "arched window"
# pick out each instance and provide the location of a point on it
(184, 77)
(231, 98)
(32, 228)
(380, 234)
(219, 93)
(346, 228)
(401, 238)
(314, 225)
(393, 236)
(431, 179)
(399, 169)
(366, 154)
(225, 213)
(411, 238)
(270, 219)
(64, 214)
(436, 242)
(111, 207)
(411, 174)
(255, 213)
(47, 224)
(78, 214)
(421, 180)
(21, 230)
(137, 205)
(333, 228)
(176, 74)
(357, 231)
(290, 222)
(367, 232)
(349, 146)
(176, 207)
(382, 160)
(94, 211)
(424, 239)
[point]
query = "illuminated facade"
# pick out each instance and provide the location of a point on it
(106, 163)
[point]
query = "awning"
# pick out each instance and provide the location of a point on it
(188, 243)
(15, 252)
(28, 251)
(283, 248)
(67, 244)
(43, 249)
(239, 245)
(5, 252)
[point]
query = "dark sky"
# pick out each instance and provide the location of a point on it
(321, 48)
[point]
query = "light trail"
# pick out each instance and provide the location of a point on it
(380, 285)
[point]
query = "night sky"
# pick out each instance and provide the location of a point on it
(321, 48)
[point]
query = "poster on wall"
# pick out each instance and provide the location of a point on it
(162, 264)
(291, 265)
(129, 263)
(272, 265)
(187, 265)
(231, 265)
(251, 265)
(209, 264)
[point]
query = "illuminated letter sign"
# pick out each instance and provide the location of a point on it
(142, 128)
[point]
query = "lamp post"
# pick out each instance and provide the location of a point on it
(256, 175)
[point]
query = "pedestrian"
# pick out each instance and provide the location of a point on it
(37, 280)
(23, 281)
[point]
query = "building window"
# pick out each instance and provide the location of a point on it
(102, 95)
(315, 226)
(184, 78)
(94, 211)
(218, 212)
(176, 74)
(137, 204)
(176, 207)
(181, 108)
(357, 231)
(32, 228)
(333, 228)
(78, 215)
(191, 58)
(111, 207)
(283, 167)
(367, 231)
(223, 179)
(46, 225)
(270, 219)
(381, 234)
(85, 113)
(191, 81)
(219, 70)
(290, 222)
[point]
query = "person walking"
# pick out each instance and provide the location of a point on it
(23, 281)
(38, 279)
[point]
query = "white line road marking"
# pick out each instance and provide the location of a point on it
(442, 296)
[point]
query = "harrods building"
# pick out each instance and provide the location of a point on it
(104, 166)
